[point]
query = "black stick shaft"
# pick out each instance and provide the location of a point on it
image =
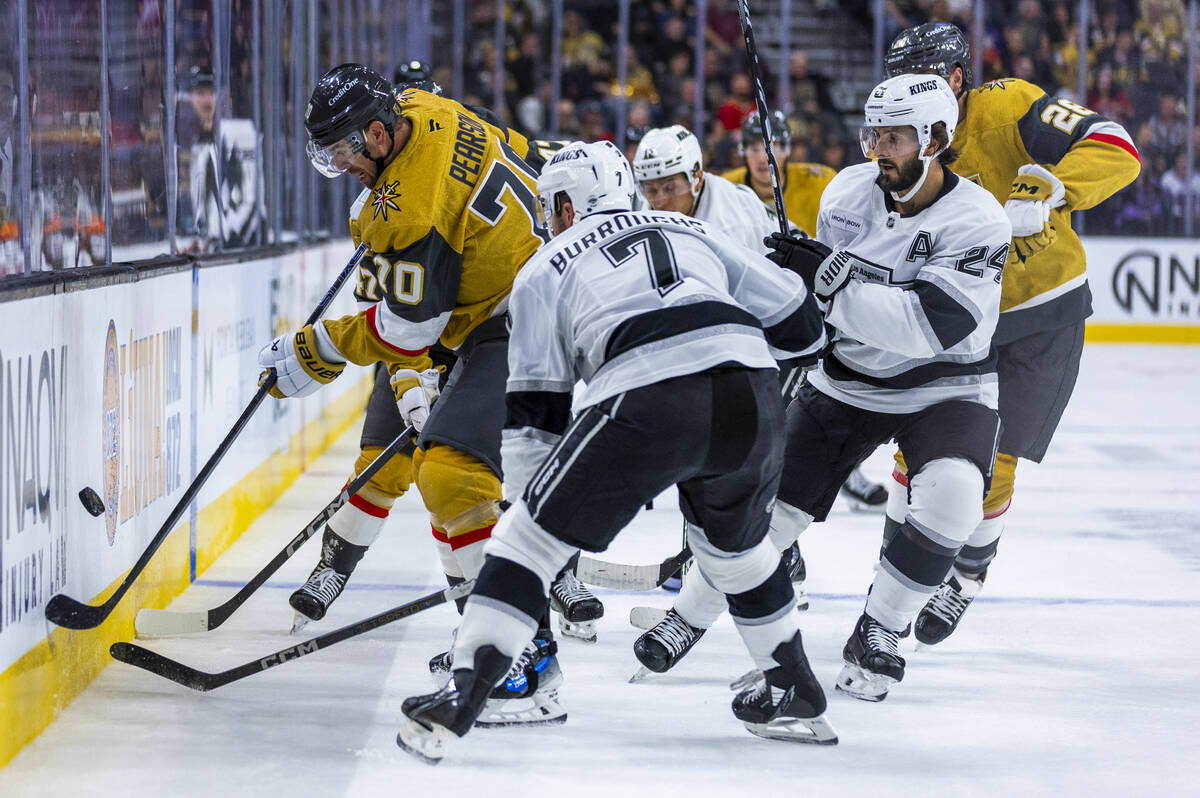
(760, 99)
(66, 611)
(218, 615)
(187, 676)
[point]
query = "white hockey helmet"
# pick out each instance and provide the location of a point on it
(917, 101)
(666, 151)
(595, 177)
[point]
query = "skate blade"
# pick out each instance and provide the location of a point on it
(641, 674)
(801, 600)
(814, 731)
(746, 681)
(646, 617)
(540, 709)
(580, 630)
(426, 744)
(299, 622)
(860, 683)
(859, 506)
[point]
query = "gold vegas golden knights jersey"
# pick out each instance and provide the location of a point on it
(448, 224)
(1010, 123)
(803, 184)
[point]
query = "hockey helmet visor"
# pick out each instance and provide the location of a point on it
(888, 142)
(331, 160)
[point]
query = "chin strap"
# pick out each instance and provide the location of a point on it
(697, 185)
(912, 192)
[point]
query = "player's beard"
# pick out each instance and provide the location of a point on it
(905, 177)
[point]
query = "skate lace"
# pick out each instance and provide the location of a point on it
(325, 584)
(535, 657)
(883, 640)
(674, 633)
(569, 589)
(948, 604)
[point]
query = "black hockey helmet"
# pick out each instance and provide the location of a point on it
(777, 123)
(415, 74)
(345, 100)
(935, 47)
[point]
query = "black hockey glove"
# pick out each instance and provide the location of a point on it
(823, 270)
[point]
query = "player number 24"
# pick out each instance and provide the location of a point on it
(976, 259)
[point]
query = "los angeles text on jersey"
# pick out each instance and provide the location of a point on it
(470, 142)
(620, 221)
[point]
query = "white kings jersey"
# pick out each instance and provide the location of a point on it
(914, 323)
(626, 299)
(736, 211)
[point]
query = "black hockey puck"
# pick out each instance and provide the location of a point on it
(91, 502)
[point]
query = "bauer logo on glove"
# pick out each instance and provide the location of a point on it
(303, 361)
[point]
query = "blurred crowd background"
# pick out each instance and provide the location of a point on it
(133, 131)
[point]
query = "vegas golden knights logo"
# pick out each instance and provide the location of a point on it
(110, 426)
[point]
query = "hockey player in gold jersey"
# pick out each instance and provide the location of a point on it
(448, 217)
(1043, 157)
(803, 183)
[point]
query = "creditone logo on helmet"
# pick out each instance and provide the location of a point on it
(340, 93)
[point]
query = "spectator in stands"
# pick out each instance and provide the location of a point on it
(1140, 207)
(11, 261)
(809, 90)
(591, 122)
(1176, 185)
(1165, 132)
(738, 103)
(1110, 99)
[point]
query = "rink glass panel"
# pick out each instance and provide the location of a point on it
(67, 228)
(175, 127)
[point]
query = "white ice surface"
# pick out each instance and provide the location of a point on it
(1073, 674)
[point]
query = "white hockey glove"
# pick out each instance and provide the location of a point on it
(1034, 192)
(415, 391)
(303, 361)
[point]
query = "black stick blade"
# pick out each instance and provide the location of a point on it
(64, 611)
(144, 658)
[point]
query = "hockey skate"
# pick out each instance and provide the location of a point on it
(940, 616)
(432, 721)
(578, 609)
(327, 580)
(528, 696)
(441, 665)
(873, 661)
(864, 495)
(793, 561)
(785, 702)
(663, 646)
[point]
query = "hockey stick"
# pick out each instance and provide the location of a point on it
(760, 98)
(159, 623)
(156, 663)
(630, 577)
(66, 611)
